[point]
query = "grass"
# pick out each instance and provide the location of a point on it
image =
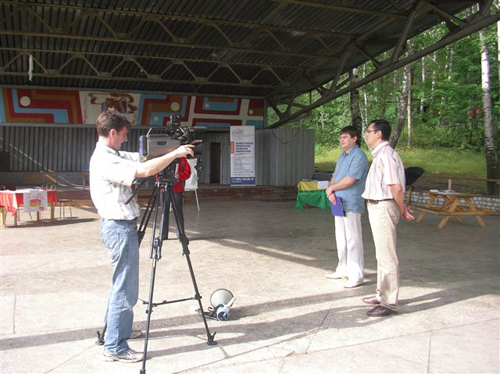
(435, 161)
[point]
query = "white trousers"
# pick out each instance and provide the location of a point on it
(349, 240)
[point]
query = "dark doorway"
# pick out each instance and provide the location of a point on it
(215, 163)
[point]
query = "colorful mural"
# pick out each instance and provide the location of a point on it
(19, 105)
(156, 109)
(217, 105)
(95, 102)
(40, 106)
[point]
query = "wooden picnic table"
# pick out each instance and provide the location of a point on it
(450, 207)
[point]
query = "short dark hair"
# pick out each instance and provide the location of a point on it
(383, 126)
(110, 119)
(353, 132)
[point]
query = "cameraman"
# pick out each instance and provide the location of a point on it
(111, 176)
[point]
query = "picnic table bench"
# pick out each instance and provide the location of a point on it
(450, 207)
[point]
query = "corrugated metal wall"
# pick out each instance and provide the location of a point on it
(282, 156)
(33, 148)
(287, 156)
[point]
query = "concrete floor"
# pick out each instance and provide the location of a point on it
(287, 316)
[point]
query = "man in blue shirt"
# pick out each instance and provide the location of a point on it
(348, 183)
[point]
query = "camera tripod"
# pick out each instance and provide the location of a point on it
(161, 190)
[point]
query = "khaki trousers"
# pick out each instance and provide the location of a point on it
(384, 217)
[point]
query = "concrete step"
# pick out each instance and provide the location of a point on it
(213, 192)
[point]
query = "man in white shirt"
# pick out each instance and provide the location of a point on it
(112, 173)
(384, 192)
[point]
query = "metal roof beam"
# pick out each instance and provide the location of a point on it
(340, 69)
(166, 44)
(404, 36)
(396, 6)
(146, 57)
(152, 79)
(341, 8)
(148, 77)
(361, 50)
(473, 25)
(191, 18)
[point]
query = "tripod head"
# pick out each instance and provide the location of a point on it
(164, 177)
(167, 175)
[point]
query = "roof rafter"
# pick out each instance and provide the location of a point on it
(341, 8)
(191, 18)
(104, 75)
(151, 57)
(167, 44)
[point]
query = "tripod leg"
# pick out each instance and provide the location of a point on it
(166, 210)
(149, 311)
(147, 214)
(184, 242)
(156, 245)
(100, 336)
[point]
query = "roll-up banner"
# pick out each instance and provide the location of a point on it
(242, 156)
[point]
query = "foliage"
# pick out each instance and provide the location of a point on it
(451, 162)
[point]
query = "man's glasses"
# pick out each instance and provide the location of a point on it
(368, 131)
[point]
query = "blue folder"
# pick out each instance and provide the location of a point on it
(337, 210)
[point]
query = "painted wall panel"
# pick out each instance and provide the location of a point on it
(20, 105)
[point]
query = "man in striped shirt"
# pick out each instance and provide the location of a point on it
(384, 193)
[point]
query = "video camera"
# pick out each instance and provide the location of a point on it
(170, 138)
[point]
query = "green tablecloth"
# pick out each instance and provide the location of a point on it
(315, 198)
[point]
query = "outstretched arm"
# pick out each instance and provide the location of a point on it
(157, 164)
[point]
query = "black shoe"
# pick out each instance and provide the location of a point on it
(380, 311)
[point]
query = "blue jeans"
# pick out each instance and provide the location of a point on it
(122, 244)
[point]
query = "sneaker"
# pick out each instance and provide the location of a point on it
(335, 275)
(351, 284)
(126, 356)
(136, 334)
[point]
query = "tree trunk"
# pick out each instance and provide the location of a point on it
(450, 53)
(403, 103)
(497, 166)
(489, 144)
(365, 99)
(322, 121)
(409, 106)
(355, 110)
(451, 60)
(422, 99)
(433, 76)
